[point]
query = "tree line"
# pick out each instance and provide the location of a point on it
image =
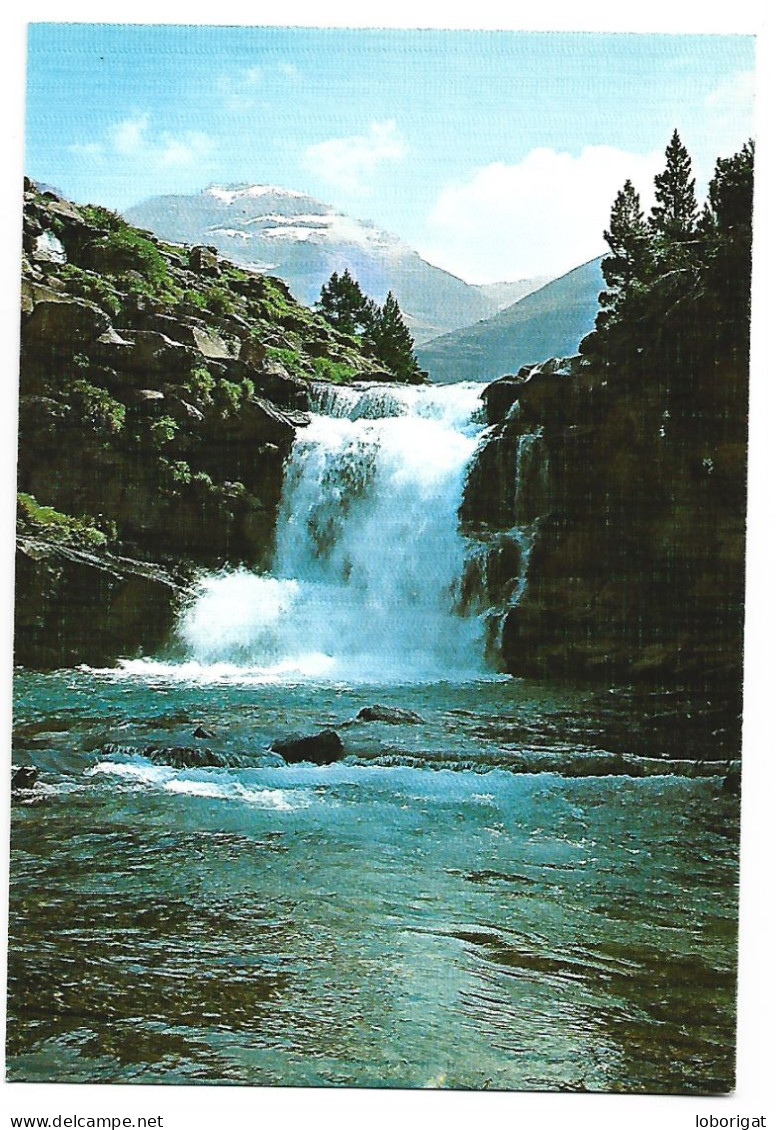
(677, 302)
(381, 328)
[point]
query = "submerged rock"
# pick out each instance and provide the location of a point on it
(186, 757)
(321, 749)
(394, 715)
(24, 778)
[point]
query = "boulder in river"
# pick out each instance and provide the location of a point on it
(185, 757)
(321, 749)
(394, 715)
(24, 778)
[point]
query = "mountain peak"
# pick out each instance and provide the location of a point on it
(228, 193)
(303, 240)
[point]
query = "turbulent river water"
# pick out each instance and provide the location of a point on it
(517, 888)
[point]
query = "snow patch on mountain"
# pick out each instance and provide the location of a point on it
(228, 194)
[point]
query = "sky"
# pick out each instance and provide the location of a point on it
(496, 155)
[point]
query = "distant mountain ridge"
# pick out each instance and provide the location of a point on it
(288, 233)
(505, 294)
(549, 322)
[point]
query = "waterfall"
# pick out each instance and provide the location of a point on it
(369, 560)
(497, 563)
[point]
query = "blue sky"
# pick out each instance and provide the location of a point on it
(495, 154)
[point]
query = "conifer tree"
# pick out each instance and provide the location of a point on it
(626, 272)
(344, 304)
(675, 215)
(393, 342)
(628, 237)
(731, 194)
(725, 231)
(676, 311)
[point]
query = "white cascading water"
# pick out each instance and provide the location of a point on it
(366, 580)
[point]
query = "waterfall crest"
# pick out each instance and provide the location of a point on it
(366, 581)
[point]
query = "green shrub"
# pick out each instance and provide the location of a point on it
(194, 298)
(93, 287)
(199, 385)
(337, 371)
(290, 359)
(102, 218)
(32, 518)
(176, 473)
(218, 300)
(102, 412)
(228, 397)
(163, 430)
(274, 302)
(178, 470)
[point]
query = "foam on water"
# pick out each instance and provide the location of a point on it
(209, 785)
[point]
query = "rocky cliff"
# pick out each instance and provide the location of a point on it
(161, 388)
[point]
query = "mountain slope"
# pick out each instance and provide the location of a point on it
(505, 294)
(548, 323)
(303, 241)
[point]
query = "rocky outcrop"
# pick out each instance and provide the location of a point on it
(610, 528)
(73, 606)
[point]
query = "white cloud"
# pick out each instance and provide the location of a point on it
(720, 124)
(186, 150)
(545, 215)
(131, 140)
(129, 136)
(91, 150)
(730, 111)
(241, 89)
(735, 94)
(238, 88)
(350, 163)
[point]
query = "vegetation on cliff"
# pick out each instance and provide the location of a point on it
(676, 307)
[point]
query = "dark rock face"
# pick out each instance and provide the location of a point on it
(191, 757)
(322, 748)
(58, 325)
(611, 529)
(76, 607)
(394, 715)
(204, 259)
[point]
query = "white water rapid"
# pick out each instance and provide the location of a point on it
(366, 580)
